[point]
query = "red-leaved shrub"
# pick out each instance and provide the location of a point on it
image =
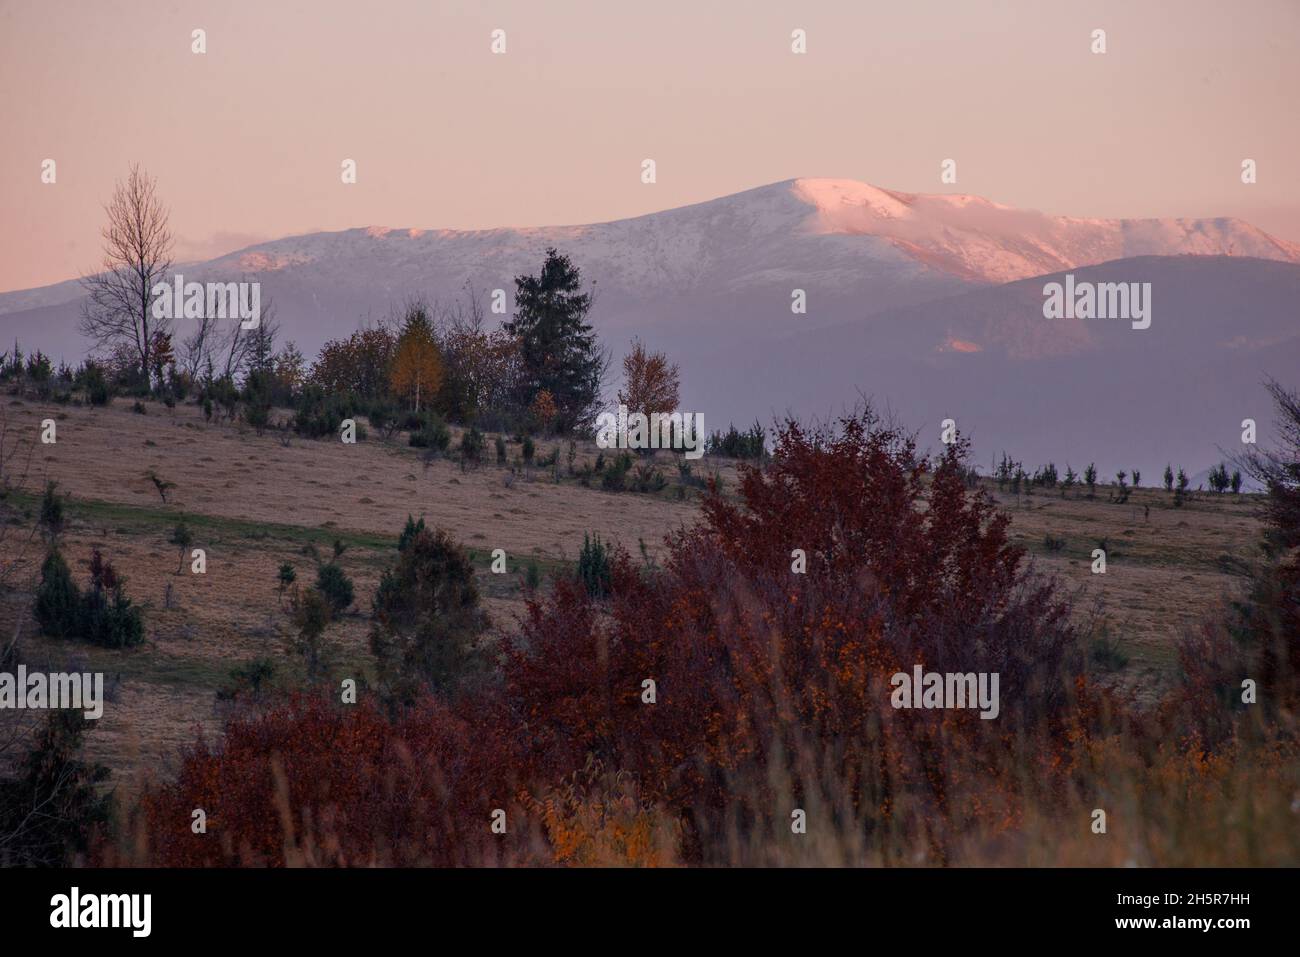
(312, 782)
(758, 670)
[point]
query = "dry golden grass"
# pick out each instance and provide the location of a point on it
(1167, 568)
(254, 503)
(226, 471)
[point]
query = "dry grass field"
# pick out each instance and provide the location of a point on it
(253, 503)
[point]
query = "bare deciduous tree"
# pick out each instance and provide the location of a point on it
(137, 255)
(196, 349)
(217, 349)
(261, 341)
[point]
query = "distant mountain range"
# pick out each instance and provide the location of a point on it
(931, 304)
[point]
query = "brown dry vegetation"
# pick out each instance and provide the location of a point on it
(254, 503)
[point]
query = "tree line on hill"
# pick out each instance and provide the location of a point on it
(542, 370)
(1011, 476)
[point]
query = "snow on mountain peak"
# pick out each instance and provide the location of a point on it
(842, 203)
(974, 238)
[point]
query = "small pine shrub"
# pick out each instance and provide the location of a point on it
(336, 587)
(317, 415)
(51, 511)
(471, 446)
(647, 478)
(594, 570)
(257, 415)
(182, 538)
(1219, 480)
(108, 617)
(411, 529)
(311, 612)
(614, 478)
(58, 602)
(1106, 654)
(248, 680)
(433, 435)
(286, 577)
(386, 417)
(98, 391)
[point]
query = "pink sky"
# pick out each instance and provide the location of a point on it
(247, 140)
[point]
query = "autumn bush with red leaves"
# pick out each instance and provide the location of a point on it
(310, 782)
(756, 667)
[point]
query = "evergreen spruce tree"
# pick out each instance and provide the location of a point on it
(558, 346)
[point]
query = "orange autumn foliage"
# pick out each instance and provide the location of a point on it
(417, 367)
(544, 410)
(650, 383)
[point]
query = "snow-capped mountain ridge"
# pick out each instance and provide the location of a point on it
(967, 236)
(834, 235)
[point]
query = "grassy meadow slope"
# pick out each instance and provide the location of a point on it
(254, 503)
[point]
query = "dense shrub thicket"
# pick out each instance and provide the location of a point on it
(101, 615)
